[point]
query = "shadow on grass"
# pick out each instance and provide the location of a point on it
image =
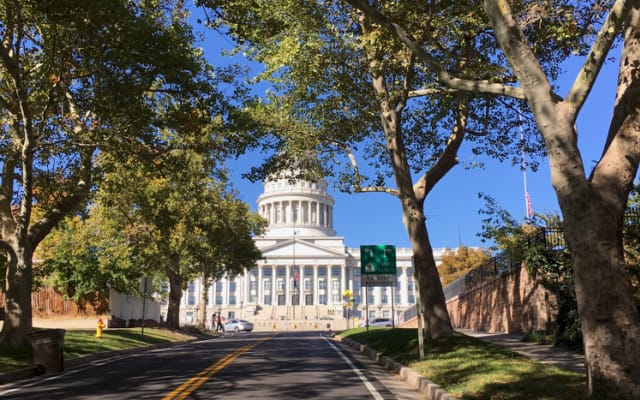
(472, 369)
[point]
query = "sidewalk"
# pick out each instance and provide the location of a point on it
(544, 354)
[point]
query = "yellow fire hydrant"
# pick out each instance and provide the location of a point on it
(99, 328)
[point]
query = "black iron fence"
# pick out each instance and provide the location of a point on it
(549, 237)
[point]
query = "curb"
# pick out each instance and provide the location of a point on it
(423, 385)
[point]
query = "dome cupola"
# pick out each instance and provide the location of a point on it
(296, 206)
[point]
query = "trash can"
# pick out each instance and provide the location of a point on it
(47, 348)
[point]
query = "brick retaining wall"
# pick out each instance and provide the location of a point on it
(509, 303)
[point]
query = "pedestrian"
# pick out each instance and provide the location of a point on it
(213, 321)
(219, 327)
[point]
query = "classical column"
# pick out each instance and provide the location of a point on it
(315, 285)
(301, 297)
(259, 290)
(329, 290)
(305, 212)
(274, 276)
(343, 279)
(224, 292)
(287, 291)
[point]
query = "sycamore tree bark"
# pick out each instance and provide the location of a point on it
(593, 207)
(412, 195)
(172, 269)
(438, 323)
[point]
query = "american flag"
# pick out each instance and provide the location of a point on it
(529, 208)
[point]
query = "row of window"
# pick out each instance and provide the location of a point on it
(322, 297)
(308, 271)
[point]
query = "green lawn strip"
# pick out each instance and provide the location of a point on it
(472, 369)
(78, 343)
(82, 342)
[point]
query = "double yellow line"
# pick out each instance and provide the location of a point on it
(184, 390)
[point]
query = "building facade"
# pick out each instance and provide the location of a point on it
(305, 269)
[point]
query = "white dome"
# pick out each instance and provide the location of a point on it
(297, 206)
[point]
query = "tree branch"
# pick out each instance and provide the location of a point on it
(444, 77)
(424, 92)
(449, 157)
(593, 63)
(357, 178)
(65, 205)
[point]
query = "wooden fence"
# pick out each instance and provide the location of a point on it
(47, 303)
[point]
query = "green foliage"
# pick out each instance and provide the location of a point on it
(499, 227)
(85, 257)
(322, 65)
(553, 269)
(82, 80)
(180, 211)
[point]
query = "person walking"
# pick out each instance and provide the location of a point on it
(219, 327)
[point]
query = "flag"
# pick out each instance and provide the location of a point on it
(529, 208)
(296, 278)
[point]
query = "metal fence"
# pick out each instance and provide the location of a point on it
(550, 237)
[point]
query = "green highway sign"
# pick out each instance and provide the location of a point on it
(378, 265)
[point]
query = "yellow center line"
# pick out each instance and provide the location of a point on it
(188, 387)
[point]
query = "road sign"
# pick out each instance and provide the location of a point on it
(378, 265)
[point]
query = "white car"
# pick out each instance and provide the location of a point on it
(237, 325)
(386, 322)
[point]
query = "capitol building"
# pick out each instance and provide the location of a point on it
(305, 269)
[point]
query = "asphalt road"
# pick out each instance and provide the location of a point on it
(300, 365)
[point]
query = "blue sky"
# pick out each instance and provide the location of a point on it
(452, 207)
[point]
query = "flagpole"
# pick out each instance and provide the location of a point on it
(523, 167)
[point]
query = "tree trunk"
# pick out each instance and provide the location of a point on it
(593, 209)
(18, 321)
(204, 296)
(175, 293)
(609, 318)
(436, 315)
(391, 107)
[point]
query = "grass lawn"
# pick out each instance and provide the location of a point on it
(78, 343)
(472, 369)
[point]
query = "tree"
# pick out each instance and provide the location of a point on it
(592, 205)
(346, 89)
(456, 263)
(183, 221)
(74, 76)
(85, 256)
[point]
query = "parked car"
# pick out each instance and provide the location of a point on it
(237, 325)
(376, 322)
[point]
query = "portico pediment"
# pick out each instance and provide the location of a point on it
(301, 250)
